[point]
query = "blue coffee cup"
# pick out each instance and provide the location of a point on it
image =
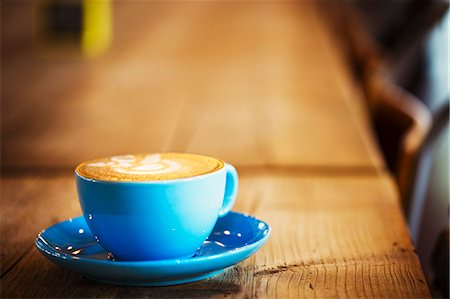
(154, 220)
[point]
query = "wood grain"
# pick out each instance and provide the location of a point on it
(262, 85)
(28, 206)
(332, 236)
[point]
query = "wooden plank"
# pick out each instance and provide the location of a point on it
(73, 109)
(346, 235)
(252, 83)
(28, 206)
(280, 101)
(332, 236)
(352, 93)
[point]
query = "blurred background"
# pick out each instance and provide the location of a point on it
(86, 79)
(399, 52)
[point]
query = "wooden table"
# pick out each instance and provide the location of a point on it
(261, 85)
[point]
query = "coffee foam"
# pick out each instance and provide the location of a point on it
(148, 167)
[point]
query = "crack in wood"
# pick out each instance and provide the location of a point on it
(19, 258)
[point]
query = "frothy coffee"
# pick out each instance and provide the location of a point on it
(148, 167)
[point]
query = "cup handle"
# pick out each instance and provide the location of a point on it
(231, 189)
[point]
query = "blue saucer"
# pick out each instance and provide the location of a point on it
(70, 244)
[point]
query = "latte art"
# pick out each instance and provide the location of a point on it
(148, 167)
(151, 164)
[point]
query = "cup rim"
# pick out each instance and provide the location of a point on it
(155, 182)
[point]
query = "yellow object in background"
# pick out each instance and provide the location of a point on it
(97, 26)
(73, 27)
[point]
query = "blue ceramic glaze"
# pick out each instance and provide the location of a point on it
(156, 219)
(70, 244)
